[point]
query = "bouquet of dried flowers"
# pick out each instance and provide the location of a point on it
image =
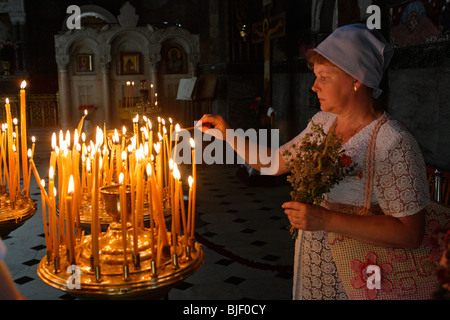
(317, 164)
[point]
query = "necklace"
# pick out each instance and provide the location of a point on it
(346, 136)
(357, 128)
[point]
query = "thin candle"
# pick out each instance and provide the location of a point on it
(123, 216)
(189, 223)
(23, 136)
(150, 205)
(70, 220)
(44, 215)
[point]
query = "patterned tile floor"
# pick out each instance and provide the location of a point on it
(241, 225)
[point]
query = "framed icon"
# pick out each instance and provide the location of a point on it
(129, 63)
(85, 62)
(175, 60)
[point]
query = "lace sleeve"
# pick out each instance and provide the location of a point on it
(400, 185)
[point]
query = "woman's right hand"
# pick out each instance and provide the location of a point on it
(212, 121)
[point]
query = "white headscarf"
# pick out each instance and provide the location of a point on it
(362, 53)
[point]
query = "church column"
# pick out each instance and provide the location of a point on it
(105, 91)
(64, 91)
(105, 59)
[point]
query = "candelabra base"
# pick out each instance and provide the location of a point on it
(115, 280)
(12, 217)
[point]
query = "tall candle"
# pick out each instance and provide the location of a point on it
(95, 218)
(170, 137)
(123, 216)
(189, 223)
(70, 220)
(174, 151)
(44, 215)
(183, 211)
(150, 205)
(23, 136)
(176, 216)
(159, 215)
(52, 208)
(11, 180)
(194, 182)
(159, 173)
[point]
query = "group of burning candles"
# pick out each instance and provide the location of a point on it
(10, 149)
(129, 96)
(140, 164)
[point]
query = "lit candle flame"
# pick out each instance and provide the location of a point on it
(149, 169)
(68, 138)
(43, 183)
(29, 153)
(7, 101)
(192, 143)
(121, 177)
(51, 173)
(190, 181)
(23, 84)
(99, 137)
(33, 139)
(157, 147)
(71, 187)
(176, 173)
(177, 128)
(53, 140)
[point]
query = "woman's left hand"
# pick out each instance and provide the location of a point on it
(305, 216)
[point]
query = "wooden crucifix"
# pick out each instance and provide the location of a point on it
(265, 31)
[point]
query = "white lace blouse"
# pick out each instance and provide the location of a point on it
(400, 189)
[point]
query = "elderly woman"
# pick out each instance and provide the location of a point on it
(348, 66)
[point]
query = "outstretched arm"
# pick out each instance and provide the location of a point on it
(268, 161)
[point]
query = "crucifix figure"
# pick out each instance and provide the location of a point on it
(267, 30)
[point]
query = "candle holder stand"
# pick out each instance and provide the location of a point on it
(119, 275)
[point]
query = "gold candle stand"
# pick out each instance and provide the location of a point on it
(12, 217)
(156, 271)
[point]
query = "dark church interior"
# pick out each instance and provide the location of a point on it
(196, 57)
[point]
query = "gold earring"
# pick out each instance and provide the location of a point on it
(355, 89)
